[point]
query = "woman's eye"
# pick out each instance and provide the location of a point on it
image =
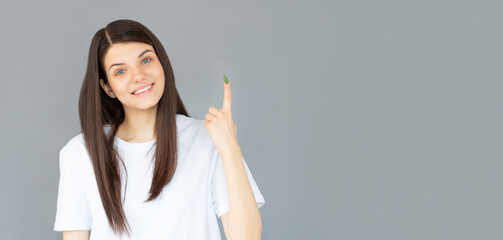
(119, 72)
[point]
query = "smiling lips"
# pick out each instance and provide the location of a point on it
(143, 90)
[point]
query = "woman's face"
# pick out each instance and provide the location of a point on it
(131, 67)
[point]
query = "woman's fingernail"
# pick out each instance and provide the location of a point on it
(226, 80)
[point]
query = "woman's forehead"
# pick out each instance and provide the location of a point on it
(125, 52)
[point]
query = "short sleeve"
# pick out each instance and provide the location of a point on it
(219, 188)
(72, 211)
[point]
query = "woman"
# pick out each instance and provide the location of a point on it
(142, 168)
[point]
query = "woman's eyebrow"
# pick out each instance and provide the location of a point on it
(148, 50)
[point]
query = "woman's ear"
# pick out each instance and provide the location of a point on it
(107, 88)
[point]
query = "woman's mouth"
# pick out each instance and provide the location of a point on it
(144, 91)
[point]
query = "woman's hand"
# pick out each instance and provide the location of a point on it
(220, 125)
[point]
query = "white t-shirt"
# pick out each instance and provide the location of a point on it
(187, 207)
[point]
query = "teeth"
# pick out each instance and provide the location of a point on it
(142, 90)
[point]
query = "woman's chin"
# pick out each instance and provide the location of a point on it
(142, 107)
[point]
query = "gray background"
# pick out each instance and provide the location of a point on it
(358, 119)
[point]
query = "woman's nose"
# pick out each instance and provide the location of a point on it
(137, 74)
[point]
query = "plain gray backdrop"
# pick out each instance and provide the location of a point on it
(358, 119)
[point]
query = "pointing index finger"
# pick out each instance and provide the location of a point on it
(226, 106)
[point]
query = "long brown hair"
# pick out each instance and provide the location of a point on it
(97, 109)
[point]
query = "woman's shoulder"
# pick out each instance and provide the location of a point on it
(189, 125)
(74, 153)
(193, 133)
(76, 143)
(184, 123)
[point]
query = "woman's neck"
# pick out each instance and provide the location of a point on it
(138, 126)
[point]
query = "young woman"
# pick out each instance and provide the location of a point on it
(142, 168)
